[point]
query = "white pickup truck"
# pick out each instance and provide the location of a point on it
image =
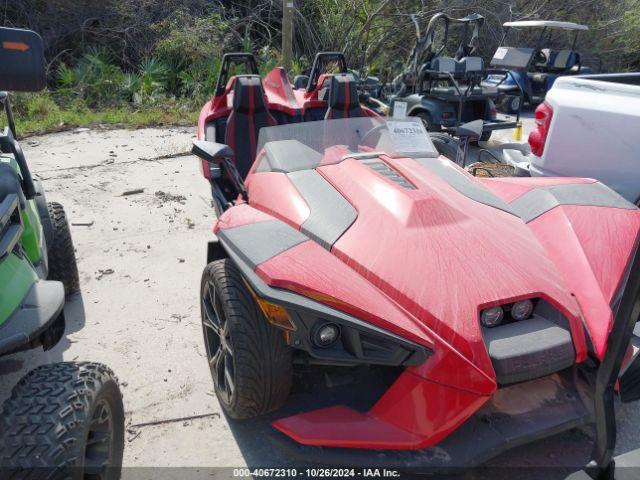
(588, 126)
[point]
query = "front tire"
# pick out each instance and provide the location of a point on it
(510, 104)
(62, 256)
(63, 421)
(428, 122)
(251, 365)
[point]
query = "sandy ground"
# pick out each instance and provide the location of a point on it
(140, 258)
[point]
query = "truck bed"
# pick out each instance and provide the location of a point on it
(594, 131)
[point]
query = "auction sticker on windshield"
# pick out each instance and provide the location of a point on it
(400, 110)
(409, 137)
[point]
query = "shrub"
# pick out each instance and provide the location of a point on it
(191, 47)
(34, 105)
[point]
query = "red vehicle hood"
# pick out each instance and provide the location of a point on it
(428, 248)
(440, 254)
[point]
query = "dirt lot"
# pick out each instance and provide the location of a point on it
(140, 223)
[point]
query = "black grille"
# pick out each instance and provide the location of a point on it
(385, 170)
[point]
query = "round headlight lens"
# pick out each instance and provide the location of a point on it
(522, 309)
(326, 335)
(491, 317)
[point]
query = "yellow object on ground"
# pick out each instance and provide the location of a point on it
(517, 133)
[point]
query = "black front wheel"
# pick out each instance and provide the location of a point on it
(63, 421)
(250, 362)
(510, 104)
(427, 121)
(61, 254)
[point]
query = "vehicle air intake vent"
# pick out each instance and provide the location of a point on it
(385, 170)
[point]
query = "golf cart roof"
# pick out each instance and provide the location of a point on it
(546, 24)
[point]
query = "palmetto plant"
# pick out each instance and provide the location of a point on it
(153, 76)
(94, 78)
(99, 82)
(198, 82)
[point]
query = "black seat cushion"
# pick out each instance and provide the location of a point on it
(343, 98)
(444, 65)
(470, 65)
(564, 59)
(249, 114)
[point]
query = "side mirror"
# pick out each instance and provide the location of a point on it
(470, 130)
(211, 152)
(220, 155)
(467, 133)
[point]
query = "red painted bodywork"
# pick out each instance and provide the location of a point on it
(422, 263)
(414, 413)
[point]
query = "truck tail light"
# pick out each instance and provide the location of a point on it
(538, 137)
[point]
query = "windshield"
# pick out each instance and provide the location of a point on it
(303, 145)
(542, 37)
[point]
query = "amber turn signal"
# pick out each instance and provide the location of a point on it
(276, 314)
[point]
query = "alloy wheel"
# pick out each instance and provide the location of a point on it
(218, 344)
(98, 454)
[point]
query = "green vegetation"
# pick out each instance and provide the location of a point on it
(38, 113)
(150, 62)
(167, 87)
(631, 27)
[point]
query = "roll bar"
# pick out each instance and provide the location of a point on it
(321, 60)
(234, 58)
(423, 50)
(9, 144)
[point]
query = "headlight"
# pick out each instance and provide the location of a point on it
(326, 335)
(491, 317)
(507, 313)
(522, 310)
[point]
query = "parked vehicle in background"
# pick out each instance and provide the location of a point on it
(441, 84)
(533, 69)
(587, 127)
(371, 92)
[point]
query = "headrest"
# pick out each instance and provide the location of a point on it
(300, 81)
(248, 95)
(550, 56)
(564, 59)
(343, 92)
(444, 64)
(472, 64)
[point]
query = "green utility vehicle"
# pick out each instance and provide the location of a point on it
(62, 420)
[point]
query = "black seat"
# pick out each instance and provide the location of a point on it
(343, 98)
(565, 60)
(444, 65)
(249, 114)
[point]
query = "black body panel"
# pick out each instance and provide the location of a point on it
(39, 311)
